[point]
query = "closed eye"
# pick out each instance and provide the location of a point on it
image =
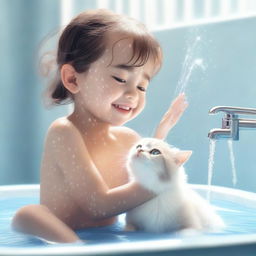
(120, 80)
(141, 88)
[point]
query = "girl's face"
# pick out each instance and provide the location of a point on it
(114, 93)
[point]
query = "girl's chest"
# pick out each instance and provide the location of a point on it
(111, 164)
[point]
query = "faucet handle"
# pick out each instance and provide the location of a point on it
(233, 110)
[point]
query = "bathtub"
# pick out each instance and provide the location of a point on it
(232, 204)
(227, 49)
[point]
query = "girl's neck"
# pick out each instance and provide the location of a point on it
(91, 128)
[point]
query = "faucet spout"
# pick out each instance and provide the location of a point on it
(217, 134)
(231, 123)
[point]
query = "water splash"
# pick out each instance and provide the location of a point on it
(189, 64)
(212, 146)
(232, 159)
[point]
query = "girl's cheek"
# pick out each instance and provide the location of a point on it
(113, 88)
(108, 85)
(142, 102)
(140, 106)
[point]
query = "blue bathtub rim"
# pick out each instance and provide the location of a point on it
(145, 246)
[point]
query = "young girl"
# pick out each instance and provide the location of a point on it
(105, 63)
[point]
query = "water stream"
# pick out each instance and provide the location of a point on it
(189, 64)
(212, 146)
(232, 160)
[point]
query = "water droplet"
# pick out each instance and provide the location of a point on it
(198, 62)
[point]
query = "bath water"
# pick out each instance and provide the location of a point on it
(238, 217)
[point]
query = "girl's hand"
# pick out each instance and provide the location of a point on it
(171, 117)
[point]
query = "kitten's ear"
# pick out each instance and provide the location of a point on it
(182, 157)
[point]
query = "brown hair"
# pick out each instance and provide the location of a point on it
(83, 41)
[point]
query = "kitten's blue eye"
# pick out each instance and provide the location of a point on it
(120, 80)
(155, 151)
(139, 146)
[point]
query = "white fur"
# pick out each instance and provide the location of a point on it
(176, 205)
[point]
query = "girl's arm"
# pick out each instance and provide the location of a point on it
(86, 185)
(171, 117)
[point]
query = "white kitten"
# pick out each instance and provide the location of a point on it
(158, 167)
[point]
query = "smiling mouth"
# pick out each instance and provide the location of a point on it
(122, 109)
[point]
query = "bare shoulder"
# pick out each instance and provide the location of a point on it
(62, 128)
(61, 122)
(126, 134)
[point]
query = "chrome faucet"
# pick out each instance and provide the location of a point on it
(231, 123)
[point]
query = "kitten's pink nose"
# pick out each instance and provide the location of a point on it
(138, 151)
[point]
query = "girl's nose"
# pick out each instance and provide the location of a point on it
(131, 94)
(129, 97)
